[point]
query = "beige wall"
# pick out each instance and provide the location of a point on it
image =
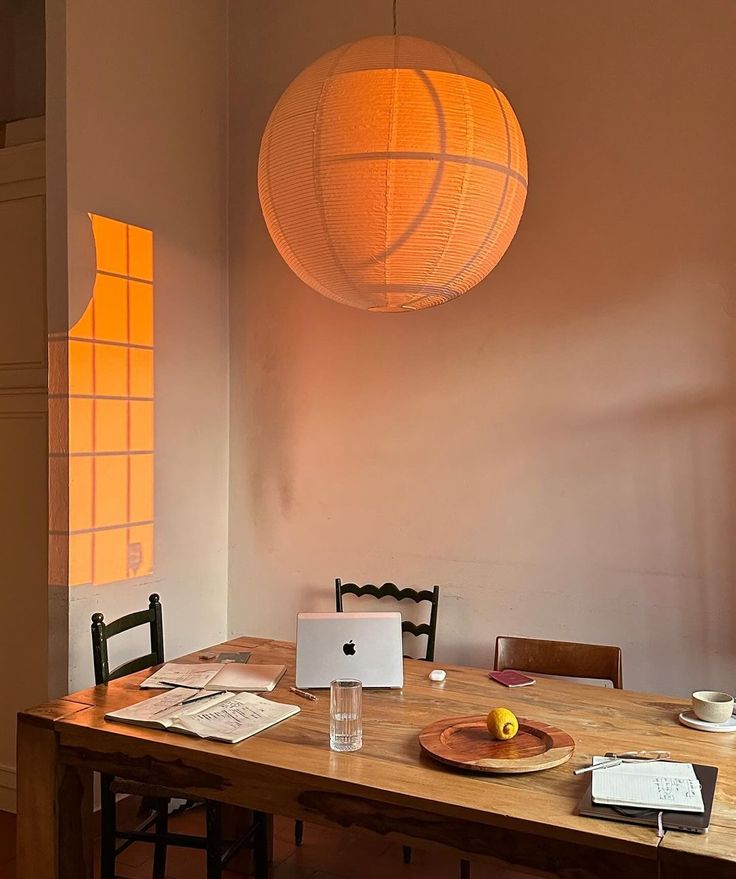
(21, 59)
(23, 446)
(556, 448)
(145, 141)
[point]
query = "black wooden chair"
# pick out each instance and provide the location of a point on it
(391, 590)
(156, 798)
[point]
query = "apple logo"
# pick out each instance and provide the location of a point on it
(348, 649)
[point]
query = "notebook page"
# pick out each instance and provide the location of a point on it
(671, 787)
(236, 718)
(182, 674)
(160, 710)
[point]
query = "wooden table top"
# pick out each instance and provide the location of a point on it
(391, 768)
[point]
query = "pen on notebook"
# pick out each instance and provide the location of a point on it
(180, 684)
(303, 693)
(198, 697)
(604, 765)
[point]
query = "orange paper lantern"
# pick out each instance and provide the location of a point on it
(392, 174)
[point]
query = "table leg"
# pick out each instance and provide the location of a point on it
(54, 828)
(235, 822)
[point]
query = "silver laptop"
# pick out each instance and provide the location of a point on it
(364, 646)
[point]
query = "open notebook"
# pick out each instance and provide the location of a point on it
(235, 677)
(671, 787)
(224, 717)
(689, 822)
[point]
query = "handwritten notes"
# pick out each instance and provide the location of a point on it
(161, 711)
(670, 787)
(224, 717)
(236, 718)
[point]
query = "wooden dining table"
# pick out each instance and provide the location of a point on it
(389, 787)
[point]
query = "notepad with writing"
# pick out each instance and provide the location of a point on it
(223, 717)
(232, 676)
(670, 787)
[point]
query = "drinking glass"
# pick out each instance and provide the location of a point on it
(346, 715)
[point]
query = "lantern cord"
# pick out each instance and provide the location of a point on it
(396, 27)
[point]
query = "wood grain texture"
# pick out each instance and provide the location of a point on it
(683, 863)
(74, 800)
(465, 743)
(54, 827)
(711, 855)
(296, 760)
(529, 820)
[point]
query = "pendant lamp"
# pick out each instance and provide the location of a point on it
(392, 174)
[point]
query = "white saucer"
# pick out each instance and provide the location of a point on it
(688, 718)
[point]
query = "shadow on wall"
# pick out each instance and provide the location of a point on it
(561, 436)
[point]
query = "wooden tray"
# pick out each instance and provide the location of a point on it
(465, 743)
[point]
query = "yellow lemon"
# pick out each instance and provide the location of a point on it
(502, 723)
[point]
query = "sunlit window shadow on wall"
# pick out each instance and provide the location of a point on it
(110, 413)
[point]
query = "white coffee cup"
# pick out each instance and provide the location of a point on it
(712, 707)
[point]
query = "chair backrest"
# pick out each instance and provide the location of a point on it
(102, 631)
(391, 590)
(563, 658)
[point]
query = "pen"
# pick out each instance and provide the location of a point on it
(597, 766)
(303, 693)
(198, 697)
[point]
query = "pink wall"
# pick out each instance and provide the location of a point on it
(556, 448)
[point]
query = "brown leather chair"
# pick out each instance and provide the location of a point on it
(561, 658)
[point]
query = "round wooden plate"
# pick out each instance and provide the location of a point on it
(465, 743)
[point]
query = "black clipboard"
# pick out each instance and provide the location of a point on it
(689, 822)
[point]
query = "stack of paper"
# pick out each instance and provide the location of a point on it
(235, 677)
(670, 787)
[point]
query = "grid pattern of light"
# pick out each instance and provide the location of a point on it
(111, 411)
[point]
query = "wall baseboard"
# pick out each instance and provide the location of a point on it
(7, 789)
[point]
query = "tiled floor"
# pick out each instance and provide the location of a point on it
(325, 854)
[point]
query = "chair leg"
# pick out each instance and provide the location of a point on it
(261, 846)
(298, 833)
(159, 848)
(214, 841)
(108, 828)
(464, 869)
(407, 854)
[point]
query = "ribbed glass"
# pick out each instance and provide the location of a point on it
(346, 715)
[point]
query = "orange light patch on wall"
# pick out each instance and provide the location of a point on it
(110, 415)
(392, 174)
